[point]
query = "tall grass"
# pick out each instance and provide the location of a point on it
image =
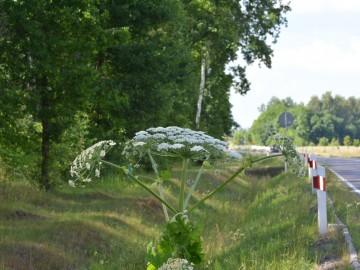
(347, 206)
(254, 223)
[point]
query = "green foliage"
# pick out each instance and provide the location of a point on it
(253, 224)
(356, 142)
(325, 117)
(261, 130)
(48, 66)
(239, 136)
(346, 204)
(123, 66)
(179, 239)
(347, 141)
(323, 141)
(334, 142)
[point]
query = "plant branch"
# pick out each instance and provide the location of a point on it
(194, 185)
(142, 185)
(231, 178)
(159, 182)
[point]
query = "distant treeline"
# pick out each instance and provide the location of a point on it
(329, 120)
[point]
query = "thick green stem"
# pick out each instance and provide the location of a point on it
(194, 185)
(159, 182)
(182, 184)
(142, 185)
(231, 178)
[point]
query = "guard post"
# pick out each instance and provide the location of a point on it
(319, 184)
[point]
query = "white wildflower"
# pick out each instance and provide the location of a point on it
(233, 154)
(176, 142)
(162, 146)
(140, 137)
(139, 143)
(177, 264)
(71, 183)
(177, 146)
(292, 157)
(159, 136)
(84, 164)
(141, 133)
(197, 148)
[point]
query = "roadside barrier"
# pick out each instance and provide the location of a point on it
(318, 186)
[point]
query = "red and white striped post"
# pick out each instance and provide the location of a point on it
(312, 170)
(319, 183)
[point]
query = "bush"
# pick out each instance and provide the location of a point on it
(356, 142)
(311, 144)
(335, 142)
(347, 141)
(323, 141)
(238, 138)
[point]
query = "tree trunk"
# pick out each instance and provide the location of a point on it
(201, 93)
(45, 140)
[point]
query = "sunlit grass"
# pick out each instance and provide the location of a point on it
(254, 223)
(347, 206)
(331, 151)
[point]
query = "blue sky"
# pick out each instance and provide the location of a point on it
(319, 51)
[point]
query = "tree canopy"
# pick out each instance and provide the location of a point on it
(77, 71)
(322, 120)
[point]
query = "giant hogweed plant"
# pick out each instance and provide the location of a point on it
(179, 246)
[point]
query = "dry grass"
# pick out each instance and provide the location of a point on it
(331, 151)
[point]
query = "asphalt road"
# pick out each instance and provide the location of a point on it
(347, 169)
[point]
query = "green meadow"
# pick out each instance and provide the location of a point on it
(259, 221)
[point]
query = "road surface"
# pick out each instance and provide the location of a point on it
(347, 169)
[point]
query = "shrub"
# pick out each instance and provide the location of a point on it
(356, 142)
(335, 142)
(347, 141)
(323, 141)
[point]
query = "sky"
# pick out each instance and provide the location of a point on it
(318, 52)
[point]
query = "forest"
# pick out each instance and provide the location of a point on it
(328, 120)
(76, 72)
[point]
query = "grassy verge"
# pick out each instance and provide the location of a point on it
(255, 223)
(347, 206)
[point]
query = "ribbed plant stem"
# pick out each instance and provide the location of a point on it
(182, 184)
(190, 192)
(159, 182)
(142, 185)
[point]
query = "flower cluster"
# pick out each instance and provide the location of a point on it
(176, 264)
(177, 142)
(292, 157)
(89, 162)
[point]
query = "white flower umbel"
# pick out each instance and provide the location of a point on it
(292, 157)
(89, 162)
(177, 142)
(177, 264)
(182, 143)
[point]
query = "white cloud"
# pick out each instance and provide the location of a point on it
(311, 6)
(321, 57)
(307, 6)
(345, 5)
